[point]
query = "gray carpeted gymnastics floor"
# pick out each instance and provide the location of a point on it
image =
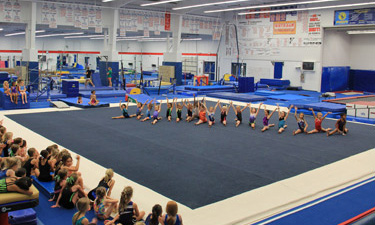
(196, 165)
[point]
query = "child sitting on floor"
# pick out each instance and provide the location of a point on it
(318, 122)
(32, 162)
(124, 110)
(282, 118)
(70, 193)
(60, 181)
(253, 115)
(103, 205)
(155, 218)
(202, 113)
(238, 111)
(340, 126)
(148, 112)
(107, 182)
(266, 119)
(79, 218)
(93, 100)
(189, 108)
(172, 217)
(179, 108)
(302, 123)
(140, 107)
(79, 100)
(211, 114)
(155, 115)
(169, 110)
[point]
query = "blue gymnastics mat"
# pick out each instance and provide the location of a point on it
(85, 103)
(288, 97)
(47, 188)
(91, 88)
(209, 88)
(142, 98)
(268, 93)
(275, 82)
(237, 96)
(323, 106)
(104, 93)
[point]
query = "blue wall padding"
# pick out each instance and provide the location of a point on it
(96, 79)
(70, 88)
(22, 217)
(275, 82)
(245, 84)
(362, 80)
(47, 188)
(155, 90)
(278, 70)
(103, 68)
(177, 70)
(335, 79)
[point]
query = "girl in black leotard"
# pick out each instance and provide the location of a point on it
(238, 112)
(340, 126)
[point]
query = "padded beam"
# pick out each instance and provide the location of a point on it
(16, 201)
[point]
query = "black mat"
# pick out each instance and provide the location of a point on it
(193, 165)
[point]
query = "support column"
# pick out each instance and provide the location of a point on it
(174, 57)
(30, 53)
(110, 54)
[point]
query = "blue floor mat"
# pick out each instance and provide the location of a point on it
(237, 96)
(85, 103)
(209, 88)
(104, 93)
(170, 148)
(268, 93)
(335, 210)
(288, 97)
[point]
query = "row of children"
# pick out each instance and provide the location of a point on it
(200, 111)
(17, 88)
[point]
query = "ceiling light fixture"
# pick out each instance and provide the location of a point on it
(20, 33)
(361, 32)
(304, 9)
(84, 36)
(209, 4)
(269, 5)
(160, 2)
(56, 35)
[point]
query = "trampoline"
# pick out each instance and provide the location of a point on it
(367, 98)
(195, 166)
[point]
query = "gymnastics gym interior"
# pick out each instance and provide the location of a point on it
(297, 56)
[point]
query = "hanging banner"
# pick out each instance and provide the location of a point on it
(69, 14)
(16, 12)
(146, 32)
(62, 11)
(314, 24)
(85, 18)
(167, 25)
(45, 12)
(8, 9)
(77, 17)
(98, 20)
(284, 27)
(92, 17)
(1, 7)
(53, 15)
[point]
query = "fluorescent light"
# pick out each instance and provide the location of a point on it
(20, 33)
(129, 39)
(165, 39)
(84, 36)
(1, 29)
(192, 39)
(62, 34)
(270, 5)
(107, 0)
(361, 32)
(304, 9)
(209, 4)
(160, 2)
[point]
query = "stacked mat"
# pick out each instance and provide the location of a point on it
(210, 89)
(237, 97)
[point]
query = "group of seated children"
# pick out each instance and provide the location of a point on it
(93, 101)
(199, 110)
(17, 88)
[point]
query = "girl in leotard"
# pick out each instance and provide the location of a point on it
(14, 184)
(253, 115)
(60, 181)
(79, 100)
(149, 111)
(124, 110)
(14, 92)
(22, 90)
(67, 163)
(107, 182)
(223, 114)
(93, 100)
(140, 107)
(266, 119)
(238, 111)
(172, 217)
(318, 122)
(44, 168)
(202, 113)
(189, 108)
(79, 218)
(32, 162)
(7, 90)
(282, 118)
(70, 193)
(103, 205)
(179, 108)
(211, 114)
(128, 212)
(169, 110)
(155, 115)
(340, 126)
(155, 218)
(7, 140)
(302, 123)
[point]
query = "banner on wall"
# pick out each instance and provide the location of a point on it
(77, 17)
(17, 12)
(69, 14)
(167, 25)
(314, 24)
(53, 15)
(45, 12)
(284, 27)
(8, 9)
(355, 17)
(98, 21)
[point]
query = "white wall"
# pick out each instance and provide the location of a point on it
(362, 51)
(336, 48)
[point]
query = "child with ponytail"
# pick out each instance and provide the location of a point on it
(70, 193)
(154, 218)
(128, 212)
(103, 205)
(172, 218)
(60, 181)
(79, 218)
(107, 182)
